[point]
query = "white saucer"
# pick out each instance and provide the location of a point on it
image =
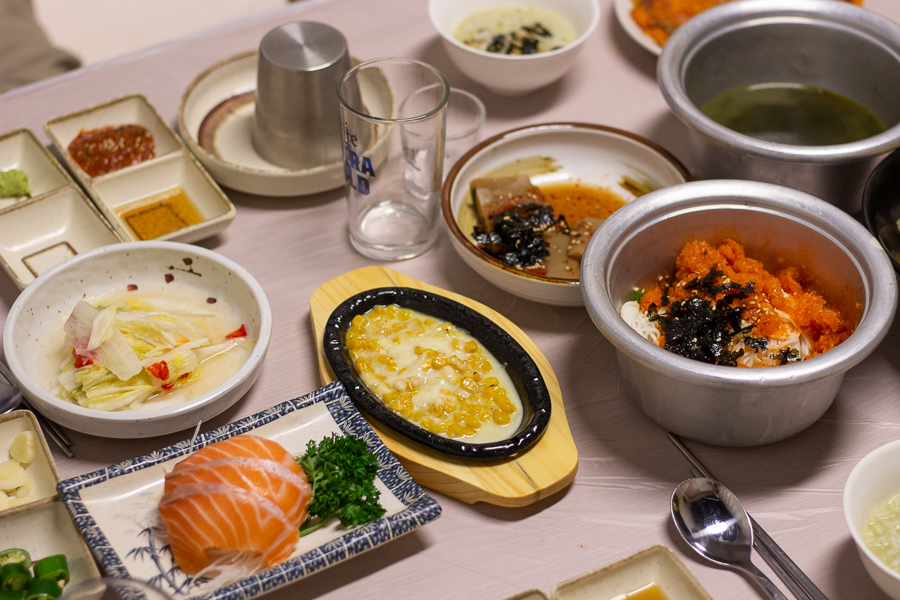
(623, 15)
(221, 102)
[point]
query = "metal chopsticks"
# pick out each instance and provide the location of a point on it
(787, 570)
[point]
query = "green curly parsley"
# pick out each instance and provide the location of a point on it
(341, 471)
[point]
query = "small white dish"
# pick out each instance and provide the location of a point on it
(623, 10)
(131, 109)
(873, 481)
(42, 471)
(654, 565)
(33, 335)
(120, 192)
(171, 166)
(117, 512)
(513, 75)
(592, 154)
(216, 120)
(39, 233)
(20, 149)
(45, 529)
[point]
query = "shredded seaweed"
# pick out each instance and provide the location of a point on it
(757, 343)
(707, 284)
(516, 236)
(699, 329)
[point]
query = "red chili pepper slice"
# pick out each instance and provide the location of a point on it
(81, 361)
(159, 370)
(239, 332)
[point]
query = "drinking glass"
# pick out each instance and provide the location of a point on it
(393, 156)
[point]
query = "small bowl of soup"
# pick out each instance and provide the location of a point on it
(795, 92)
(138, 339)
(514, 47)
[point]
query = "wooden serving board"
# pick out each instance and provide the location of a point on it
(542, 470)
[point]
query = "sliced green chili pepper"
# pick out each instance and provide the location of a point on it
(42, 589)
(52, 567)
(12, 594)
(14, 576)
(15, 555)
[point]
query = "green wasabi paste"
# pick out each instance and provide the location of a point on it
(14, 184)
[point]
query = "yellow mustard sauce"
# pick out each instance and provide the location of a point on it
(160, 214)
(434, 374)
(648, 592)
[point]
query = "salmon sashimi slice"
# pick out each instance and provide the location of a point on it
(287, 490)
(248, 446)
(203, 518)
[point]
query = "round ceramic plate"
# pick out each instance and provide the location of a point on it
(623, 15)
(216, 121)
(627, 164)
(521, 368)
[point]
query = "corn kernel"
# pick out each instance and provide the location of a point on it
(500, 417)
(491, 381)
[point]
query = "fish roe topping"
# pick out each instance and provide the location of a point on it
(434, 374)
(776, 305)
(105, 149)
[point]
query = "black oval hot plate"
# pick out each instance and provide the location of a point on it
(521, 368)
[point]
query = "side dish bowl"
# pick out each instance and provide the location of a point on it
(521, 368)
(33, 336)
(731, 406)
(873, 481)
(584, 152)
(837, 46)
(513, 75)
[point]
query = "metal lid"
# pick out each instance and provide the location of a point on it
(303, 46)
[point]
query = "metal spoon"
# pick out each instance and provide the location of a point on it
(712, 520)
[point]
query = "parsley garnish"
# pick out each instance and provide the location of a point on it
(341, 471)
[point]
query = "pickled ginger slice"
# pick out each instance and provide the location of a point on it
(289, 491)
(243, 445)
(203, 519)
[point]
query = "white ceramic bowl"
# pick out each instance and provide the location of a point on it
(34, 329)
(874, 480)
(590, 153)
(513, 75)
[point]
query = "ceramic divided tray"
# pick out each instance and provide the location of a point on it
(115, 507)
(135, 198)
(545, 468)
(656, 566)
(55, 222)
(41, 527)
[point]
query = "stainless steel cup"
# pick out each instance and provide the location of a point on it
(298, 117)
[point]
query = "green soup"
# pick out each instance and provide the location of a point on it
(793, 113)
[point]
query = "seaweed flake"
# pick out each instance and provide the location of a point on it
(787, 355)
(707, 284)
(757, 343)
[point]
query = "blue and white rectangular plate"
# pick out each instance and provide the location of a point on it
(115, 508)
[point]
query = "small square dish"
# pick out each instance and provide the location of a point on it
(116, 507)
(46, 529)
(37, 234)
(20, 149)
(171, 198)
(134, 109)
(656, 565)
(38, 476)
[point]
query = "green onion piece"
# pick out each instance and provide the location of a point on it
(42, 589)
(12, 594)
(15, 555)
(14, 576)
(52, 567)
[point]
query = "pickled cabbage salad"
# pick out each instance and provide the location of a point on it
(127, 353)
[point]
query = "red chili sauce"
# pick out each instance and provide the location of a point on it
(105, 149)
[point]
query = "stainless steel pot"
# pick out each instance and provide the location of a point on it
(731, 406)
(843, 48)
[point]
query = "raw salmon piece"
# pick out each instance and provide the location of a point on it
(203, 517)
(249, 446)
(287, 490)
